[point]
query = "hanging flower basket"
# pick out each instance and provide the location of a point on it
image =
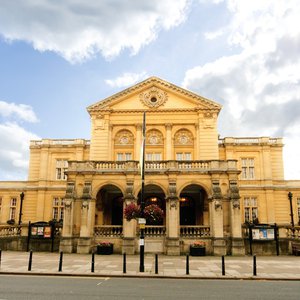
(153, 214)
(132, 211)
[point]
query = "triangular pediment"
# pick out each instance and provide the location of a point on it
(154, 94)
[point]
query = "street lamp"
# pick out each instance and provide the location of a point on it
(21, 207)
(290, 195)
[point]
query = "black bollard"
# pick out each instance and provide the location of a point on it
(60, 262)
(254, 265)
(30, 261)
(187, 265)
(223, 265)
(93, 263)
(156, 263)
(124, 263)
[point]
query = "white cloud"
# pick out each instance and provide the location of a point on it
(259, 86)
(14, 150)
(126, 79)
(20, 111)
(78, 30)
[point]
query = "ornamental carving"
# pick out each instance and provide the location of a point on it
(70, 191)
(184, 137)
(217, 195)
(124, 138)
(154, 97)
(87, 191)
(234, 194)
(154, 137)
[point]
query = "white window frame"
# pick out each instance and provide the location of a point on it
(248, 170)
(58, 208)
(153, 156)
(184, 155)
(61, 168)
(13, 208)
(124, 156)
(250, 209)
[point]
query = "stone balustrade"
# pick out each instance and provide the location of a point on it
(108, 231)
(195, 231)
(10, 231)
(152, 166)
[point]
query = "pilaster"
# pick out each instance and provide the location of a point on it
(172, 220)
(237, 246)
(216, 219)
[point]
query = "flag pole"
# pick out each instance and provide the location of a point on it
(142, 162)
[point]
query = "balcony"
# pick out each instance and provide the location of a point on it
(192, 166)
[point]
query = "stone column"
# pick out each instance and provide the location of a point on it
(237, 246)
(66, 243)
(129, 227)
(172, 220)
(216, 220)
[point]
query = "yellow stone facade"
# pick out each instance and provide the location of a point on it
(207, 186)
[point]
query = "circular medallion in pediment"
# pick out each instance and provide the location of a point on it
(154, 97)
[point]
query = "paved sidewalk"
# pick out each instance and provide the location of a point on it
(208, 267)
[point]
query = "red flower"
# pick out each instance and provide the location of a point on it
(132, 211)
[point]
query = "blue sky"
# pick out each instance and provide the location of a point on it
(58, 57)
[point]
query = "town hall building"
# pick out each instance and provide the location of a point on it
(208, 187)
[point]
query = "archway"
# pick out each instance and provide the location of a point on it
(153, 194)
(193, 206)
(109, 206)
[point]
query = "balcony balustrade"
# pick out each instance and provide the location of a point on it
(153, 166)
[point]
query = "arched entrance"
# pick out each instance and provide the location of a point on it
(193, 206)
(153, 194)
(109, 206)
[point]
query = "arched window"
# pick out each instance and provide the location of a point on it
(184, 145)
(154, 145)
(124, 145)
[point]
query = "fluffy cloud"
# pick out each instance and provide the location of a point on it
(14, 150)
(20, 111)
(77, 30)
(259, 85)
(126, 79)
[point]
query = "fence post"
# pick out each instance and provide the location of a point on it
(156, 263)
(187, 265)
(30, 261)
(93, 263)
(223, 265)
(60, 262)
(254, 265)
(124, 263)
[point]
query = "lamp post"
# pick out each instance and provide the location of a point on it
(21, 207)
(290, 196)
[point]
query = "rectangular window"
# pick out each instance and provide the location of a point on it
(58, 208)
(124, 156)
(183, 156)
(61, 168)
(154, 156)
(248, 168)
(250, 209)
(13, 208)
